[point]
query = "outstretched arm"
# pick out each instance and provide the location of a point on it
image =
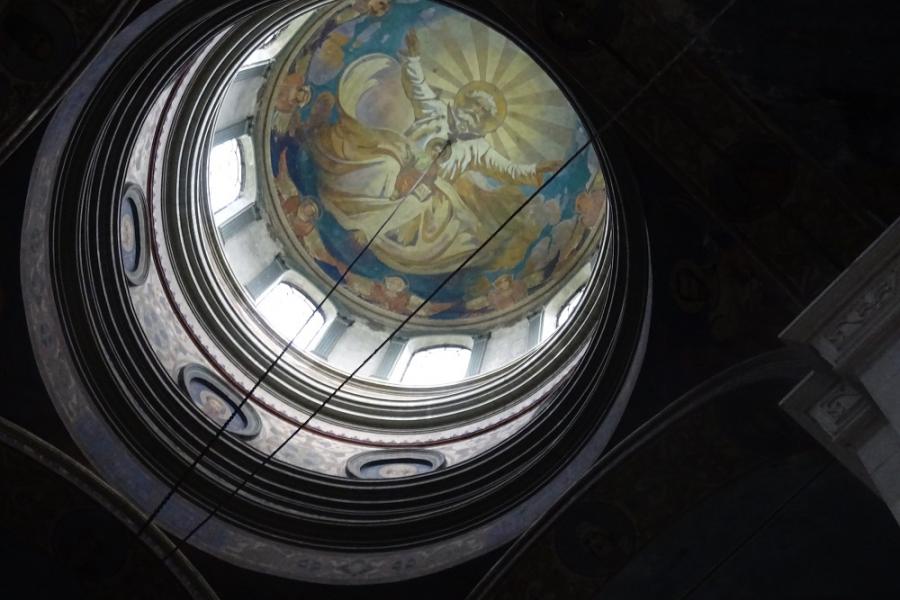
(492, 163)
(417, 89)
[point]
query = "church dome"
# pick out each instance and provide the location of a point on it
(358, 286)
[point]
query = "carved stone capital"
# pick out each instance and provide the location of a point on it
(834, 410)
(862, 317)
(840, 409)
(853, 319)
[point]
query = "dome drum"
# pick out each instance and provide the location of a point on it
(489, 452)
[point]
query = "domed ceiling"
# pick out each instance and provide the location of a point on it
(416, 114)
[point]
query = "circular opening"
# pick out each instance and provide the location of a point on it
(415, 175)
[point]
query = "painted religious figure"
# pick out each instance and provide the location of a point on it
(364, 172)
(420, 116)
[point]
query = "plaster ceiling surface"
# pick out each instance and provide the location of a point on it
(414, 114)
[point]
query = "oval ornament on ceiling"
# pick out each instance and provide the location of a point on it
(217, 401)
(133, 235)
(394, 464)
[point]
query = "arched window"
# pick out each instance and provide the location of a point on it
(286, 309)
(569, 307)
(225, 174)
(437, 365)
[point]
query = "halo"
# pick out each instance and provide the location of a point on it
(495, 122)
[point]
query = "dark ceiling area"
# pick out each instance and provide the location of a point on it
(766, 151)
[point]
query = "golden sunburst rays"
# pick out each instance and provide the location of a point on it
(539, 122)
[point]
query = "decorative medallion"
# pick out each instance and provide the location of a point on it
(417, 115)
(217, 401)
(133, 235)
(394, 464)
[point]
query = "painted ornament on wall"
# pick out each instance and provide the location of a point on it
(416, 114)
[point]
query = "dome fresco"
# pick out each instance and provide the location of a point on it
(416, 114)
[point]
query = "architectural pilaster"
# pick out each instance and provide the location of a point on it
(851, 402)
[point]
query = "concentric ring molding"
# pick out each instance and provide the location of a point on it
(220, 307)
(130, 417)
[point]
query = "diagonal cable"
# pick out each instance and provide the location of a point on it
(760, 528)
(180, 481)
(613, 119)
(396, 330)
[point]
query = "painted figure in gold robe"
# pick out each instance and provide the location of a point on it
(445, 212)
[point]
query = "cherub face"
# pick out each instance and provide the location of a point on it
(308, 210)
(590, 206)
(378, 8)
(300, 96)
(504, 282)
(394, 283)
